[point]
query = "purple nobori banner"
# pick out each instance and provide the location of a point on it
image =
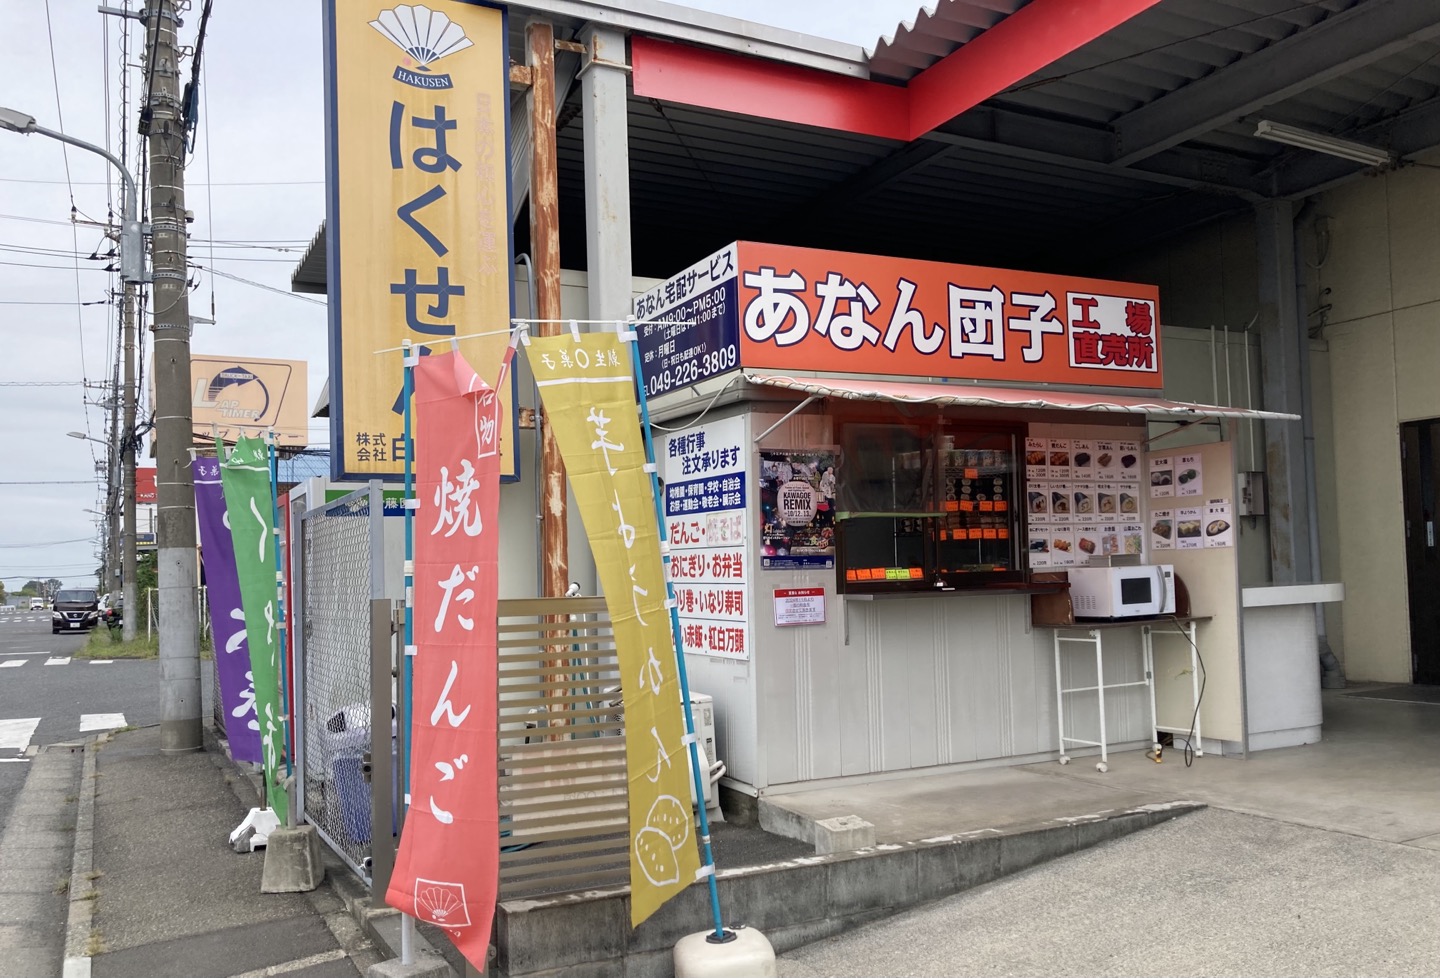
(227, 617)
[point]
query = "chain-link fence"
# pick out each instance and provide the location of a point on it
(341, 572)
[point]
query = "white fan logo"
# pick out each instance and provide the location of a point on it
(424, 34)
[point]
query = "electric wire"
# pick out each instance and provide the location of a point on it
(70, 188)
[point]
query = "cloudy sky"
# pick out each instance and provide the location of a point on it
(255, 185)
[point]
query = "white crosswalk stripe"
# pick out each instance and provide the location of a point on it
(12, 663)
(57, 660)
(101, 662)
(16, 734)
(101, 721)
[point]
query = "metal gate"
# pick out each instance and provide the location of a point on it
(342, 753)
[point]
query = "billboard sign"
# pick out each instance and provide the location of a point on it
(803, 309)
(417, 213)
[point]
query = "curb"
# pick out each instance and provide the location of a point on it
(82, 905)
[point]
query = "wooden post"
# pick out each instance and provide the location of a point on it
(545, 266)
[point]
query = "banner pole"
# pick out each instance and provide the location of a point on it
(409, 359)
(286, 706)
(721, 935)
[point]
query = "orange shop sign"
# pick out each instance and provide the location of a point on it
(789, 308)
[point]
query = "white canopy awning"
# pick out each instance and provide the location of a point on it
(964, 395)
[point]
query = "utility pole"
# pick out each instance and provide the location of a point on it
(179, 618)
(545, 267)
(126, 446)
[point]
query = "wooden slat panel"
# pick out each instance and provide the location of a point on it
(514, 889)
(563, 790)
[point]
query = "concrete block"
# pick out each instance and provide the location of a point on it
(685, 913)
(424, 966)
(782, 821)
(842, 834)
(746, 955)
(786, 894)
(1025, 849)
(292, 861)
(542, 936)
(882, 879)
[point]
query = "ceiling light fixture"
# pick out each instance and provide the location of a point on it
(1319, 142)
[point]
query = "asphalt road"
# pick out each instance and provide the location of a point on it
(46, 694)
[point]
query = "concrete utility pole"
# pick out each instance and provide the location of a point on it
(126, 446)
(179, 619)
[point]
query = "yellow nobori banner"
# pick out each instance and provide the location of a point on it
(417, 225)
(589, 392)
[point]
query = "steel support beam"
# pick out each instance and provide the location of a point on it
(1338, 45)
(1281, 347)
(603, 92)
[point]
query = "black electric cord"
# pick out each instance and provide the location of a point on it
(1189, 751)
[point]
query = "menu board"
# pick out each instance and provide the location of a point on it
(1162, 529)
(1162, 476)
(1219, 523)
(1189, 480)
(1082, 500)
(1189, 529)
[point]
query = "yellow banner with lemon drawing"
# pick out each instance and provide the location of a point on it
(588, 389)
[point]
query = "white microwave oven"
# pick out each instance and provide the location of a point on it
(1123, 592)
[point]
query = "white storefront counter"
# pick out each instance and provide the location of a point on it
(1282, 664)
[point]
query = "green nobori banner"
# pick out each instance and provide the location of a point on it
(245, 477)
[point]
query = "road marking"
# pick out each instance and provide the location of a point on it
(101, 662)
(8, 663)
(16, 734)
(58, 660)
(14, 760)
(101, 721)
(297, 965)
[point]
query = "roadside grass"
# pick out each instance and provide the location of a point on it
(104, 645)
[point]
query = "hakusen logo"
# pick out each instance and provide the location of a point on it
(426, 36)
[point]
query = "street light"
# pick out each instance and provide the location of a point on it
(132, 239)
(132, 273)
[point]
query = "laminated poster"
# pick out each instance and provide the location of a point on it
(1189, 478)
(1060, 458)
(1084, 502)
(1037, 454)
(1037, 503)
(1132, 539)
(1038, 535)
(1219, 523)
(1189, 528)
(1110, 539)
(1062, 546)
(1089, 541)
(797, 509)
(1107, 461)
(1162, 476)
(1083, 460)
(1162, 529)
(1130, 461)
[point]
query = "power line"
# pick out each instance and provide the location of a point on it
(220, 183)
(258, 285)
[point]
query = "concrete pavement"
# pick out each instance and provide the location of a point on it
(171, 898)
(1314, 860)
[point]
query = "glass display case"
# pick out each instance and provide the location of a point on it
(929, 506)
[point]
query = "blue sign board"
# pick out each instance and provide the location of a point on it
(689, 327)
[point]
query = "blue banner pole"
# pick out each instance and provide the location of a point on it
(410, 360)
(721, 935)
